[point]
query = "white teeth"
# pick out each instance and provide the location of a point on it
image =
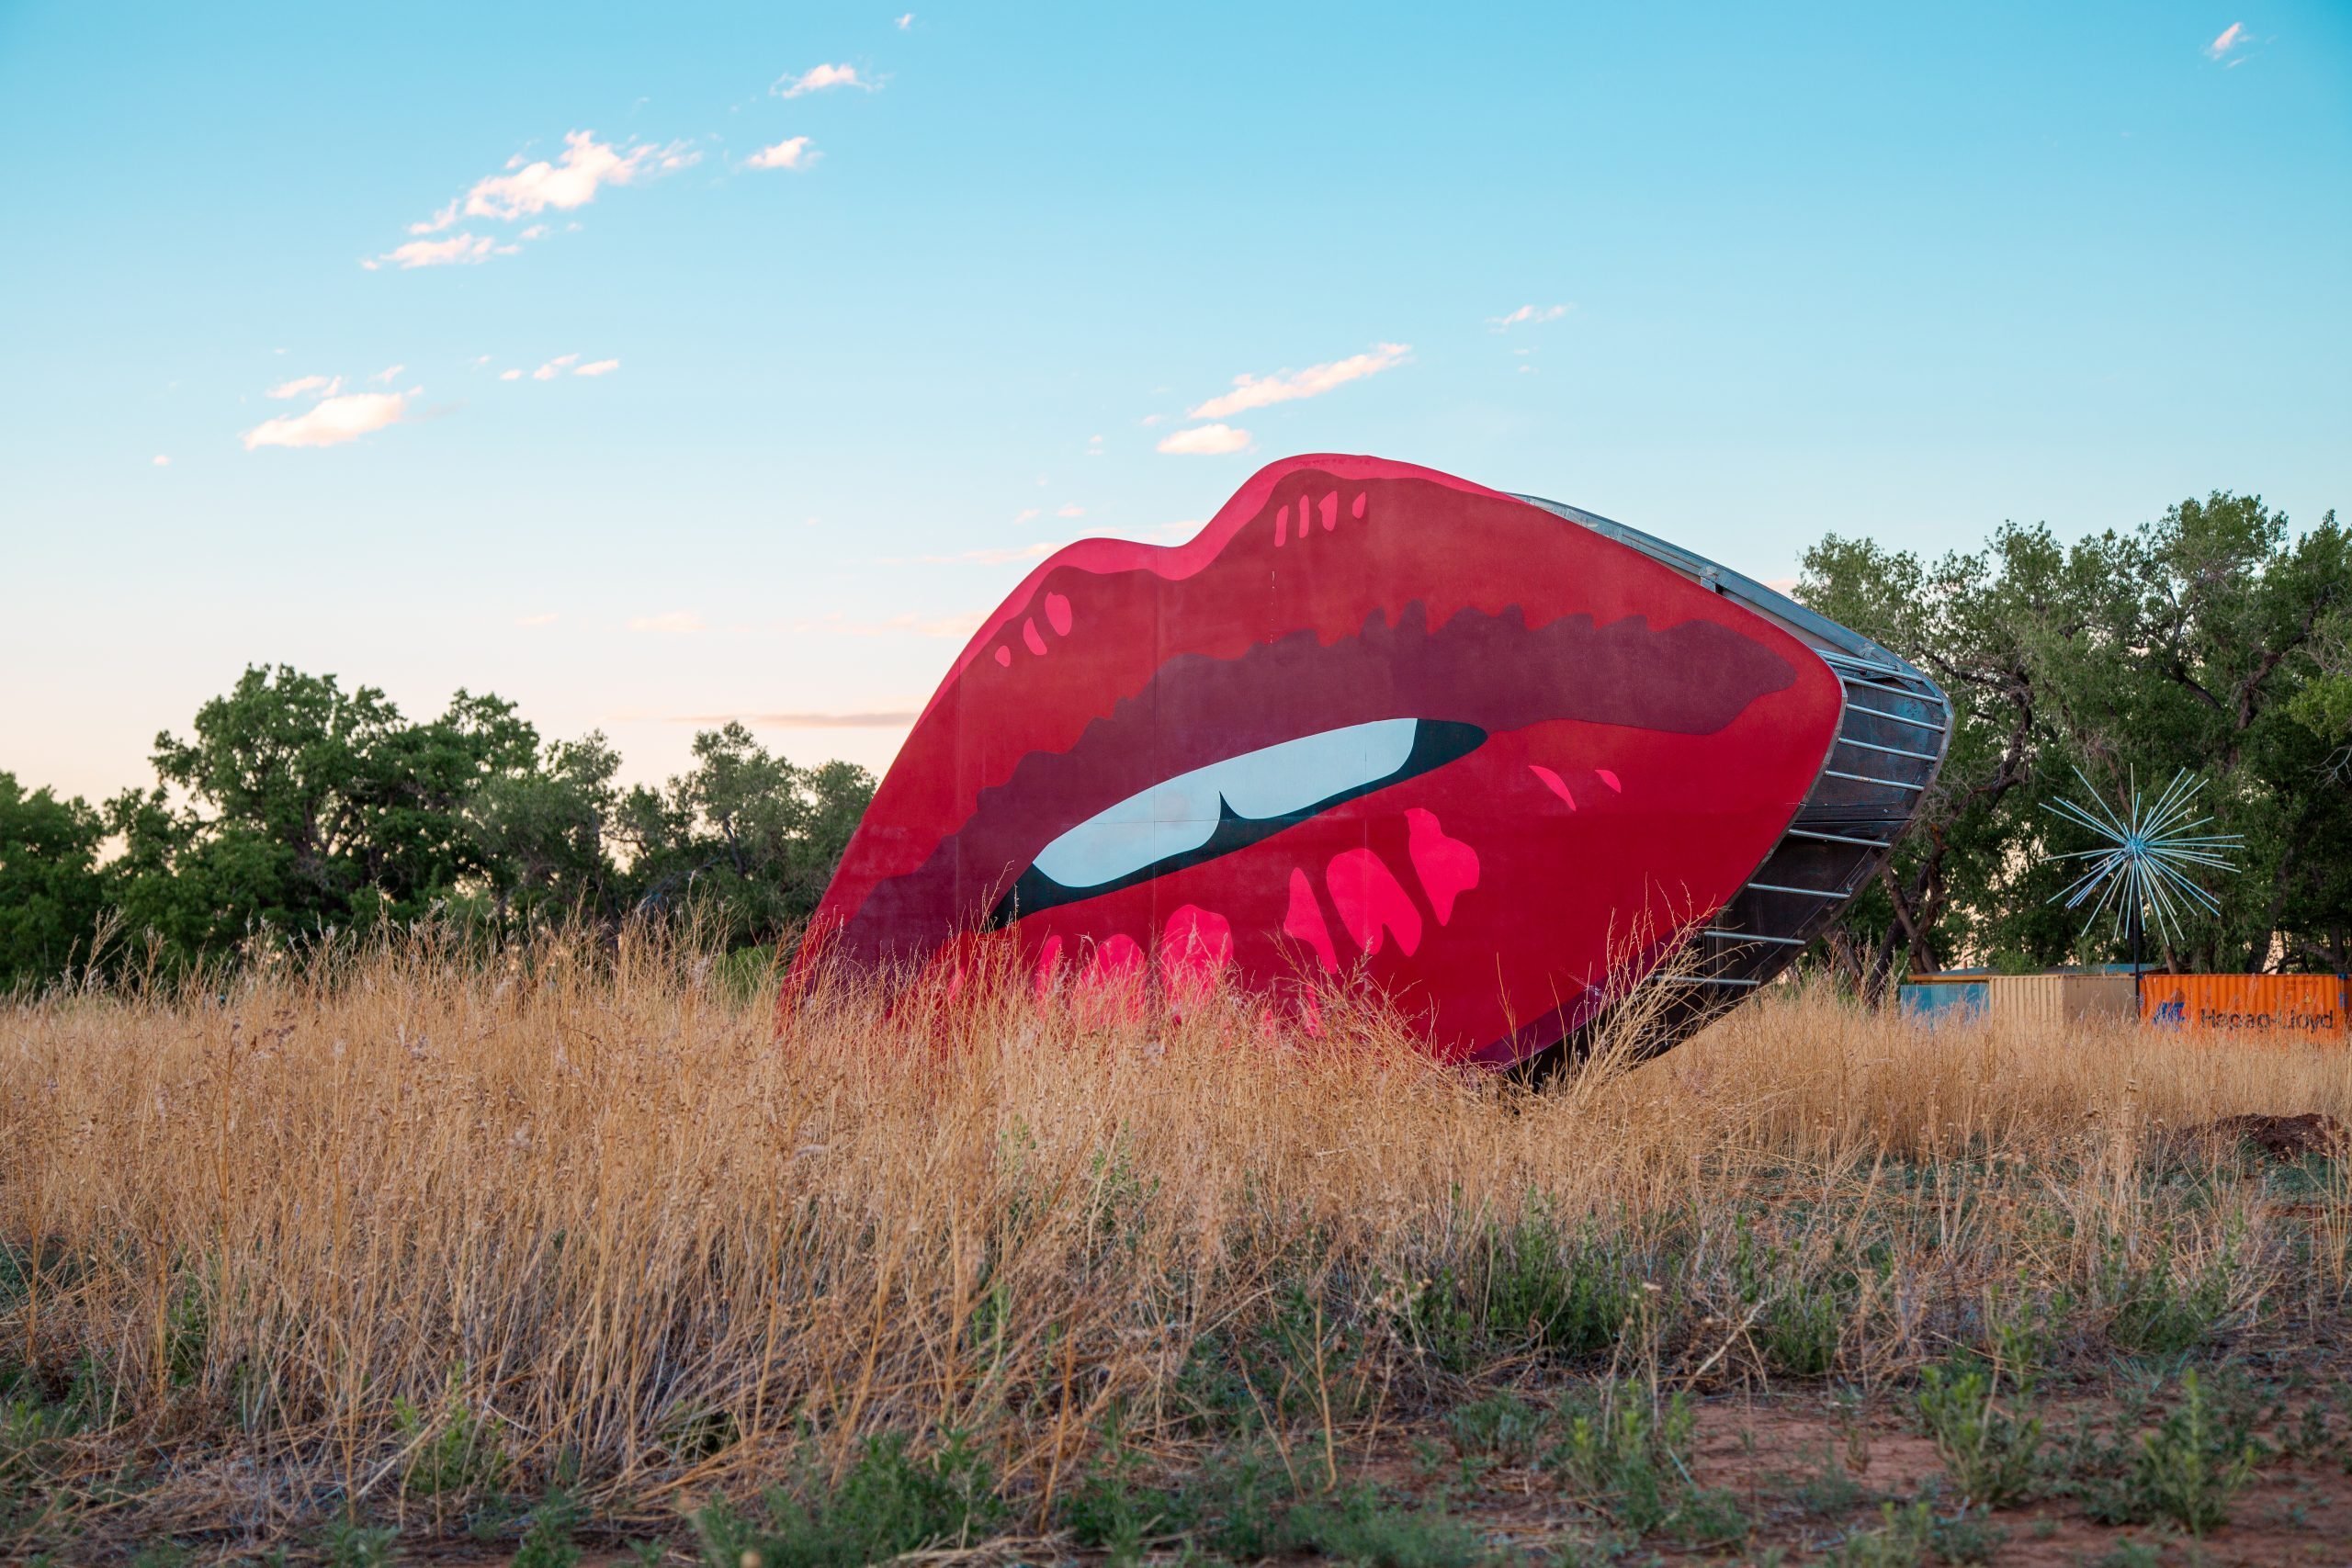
(1181, 813)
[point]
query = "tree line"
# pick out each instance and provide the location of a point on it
(295, 809)
(2216, 640)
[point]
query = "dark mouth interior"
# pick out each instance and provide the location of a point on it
(1435, 743)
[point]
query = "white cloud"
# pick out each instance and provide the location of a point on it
(1024, 514)
(679, 621)
(586, 166)
(323, 386)
(1529, 314)
(1071, 511)
(553, 367)
(2232, 38)
(457, 249)
(332, 423)
(546, 620)
(598, 368)
(792, 153)
(510, 375)
(1254, 392)
(1206, 441)
(478, 359)
(388, 372)
(817, 78)
(906, 21)
(161, 461)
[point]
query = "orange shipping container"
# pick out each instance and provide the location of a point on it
(2302, 1004)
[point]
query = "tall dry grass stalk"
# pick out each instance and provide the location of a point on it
(290, 1229)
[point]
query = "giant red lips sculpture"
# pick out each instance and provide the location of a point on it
(1380, 725)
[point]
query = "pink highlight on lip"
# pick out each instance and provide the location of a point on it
(1305, 920)
(1357, 510)
(1605, 777)
(1117, 959)
(1282, 526)
(1372, 902)
(1050, 958)
(1058, 613)
(1554, 782)
(1331, 511)
(1194, 947)
(1029, 635)
(1447, 868)
(1004, 656)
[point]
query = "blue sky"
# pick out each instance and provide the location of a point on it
(1880, 270)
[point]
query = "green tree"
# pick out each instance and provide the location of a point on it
(50, 891)
(307, 807)
(2210, 640)
(744, 840)
(541, 834)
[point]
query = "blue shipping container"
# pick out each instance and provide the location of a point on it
(1949, 1002)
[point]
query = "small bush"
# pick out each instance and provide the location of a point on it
(1992, 1450)
(1358, 1525)
(2192, 1467)
(1502, 1428)
(1629, 1458)
(451, 1449)
(887, 1504)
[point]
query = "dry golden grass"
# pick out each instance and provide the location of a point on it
(289, 1233)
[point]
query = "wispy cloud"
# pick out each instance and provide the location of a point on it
(1528, 315)
(817, 78)
(1284, 386)
(906, 21)
(888, 720)
(457, 249)
(325, 387)
(677, 622)
(2233, 37)
(1206, 441)
(586, 166)
(388, 372)
(792, 153)
(510, 375)
(554, 368)
(333, 422)
(907, 624)
(1072, 510)
(161, 461)
(598, 368)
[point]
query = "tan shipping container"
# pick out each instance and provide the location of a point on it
(2058, 1000)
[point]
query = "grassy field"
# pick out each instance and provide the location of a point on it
(401, 1258)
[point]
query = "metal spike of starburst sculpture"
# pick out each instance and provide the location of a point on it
(2142, 867)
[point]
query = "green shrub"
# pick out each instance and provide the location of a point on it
(1992, 1450)
(1359, 1525)
(1502, 1428)
(1629, 1457)
(887, 1505)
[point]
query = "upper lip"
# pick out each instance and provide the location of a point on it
(1114, 667)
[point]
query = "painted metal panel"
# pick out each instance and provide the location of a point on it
(2058, 1000)
(1379, 723)
(2310, 1005)
(1947, 1002)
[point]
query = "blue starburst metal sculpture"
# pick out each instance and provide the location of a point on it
(2142, 867)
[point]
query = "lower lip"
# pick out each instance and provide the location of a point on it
(1531, 847)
